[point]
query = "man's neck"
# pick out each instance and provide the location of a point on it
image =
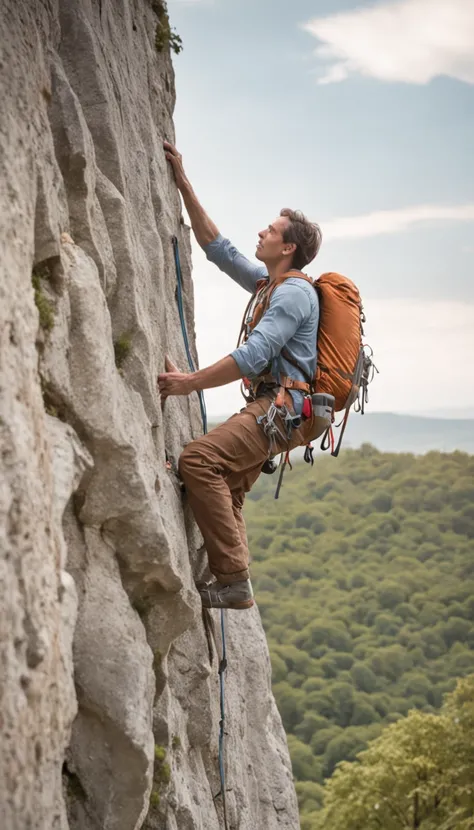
(278, 270)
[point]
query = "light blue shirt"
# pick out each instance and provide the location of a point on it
(290, 322)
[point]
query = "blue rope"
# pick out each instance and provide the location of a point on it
(222, 669)
(179, 279)
(202, 403)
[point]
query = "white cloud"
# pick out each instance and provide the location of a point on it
(411, 41)
(394, 221)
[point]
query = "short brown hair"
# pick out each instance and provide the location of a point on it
(304, 234)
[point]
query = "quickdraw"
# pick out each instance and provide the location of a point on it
(273, 432)
(271, 429)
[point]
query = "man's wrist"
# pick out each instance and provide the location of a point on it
(184, 185)
(194, 381)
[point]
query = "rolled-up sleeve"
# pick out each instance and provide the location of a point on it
(289, 307)
(228, 259)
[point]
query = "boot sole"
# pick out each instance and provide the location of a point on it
(236, 606)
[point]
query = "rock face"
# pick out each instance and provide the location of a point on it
(109, 699)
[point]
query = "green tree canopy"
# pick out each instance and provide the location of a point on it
(418, 775)
(364, 576)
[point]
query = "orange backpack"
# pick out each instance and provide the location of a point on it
(344, 365)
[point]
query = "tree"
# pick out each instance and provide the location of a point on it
(418, 775)
(305, 766)
(310, 796)
(290, 703)
(364, 678)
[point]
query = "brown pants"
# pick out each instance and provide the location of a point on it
(217, 470)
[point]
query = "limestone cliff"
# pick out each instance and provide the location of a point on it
(109, 713)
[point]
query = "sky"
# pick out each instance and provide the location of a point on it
(361, 115)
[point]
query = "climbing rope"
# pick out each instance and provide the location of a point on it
(223, 661)
(222, 669)
(179, 280)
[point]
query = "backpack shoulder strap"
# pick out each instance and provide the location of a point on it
(296, 275)
(309, 379)
(259, 288)
(284, 352)
(289, 275)
(263, 296)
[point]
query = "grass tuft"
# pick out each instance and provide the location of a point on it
(155, 799)
(45, 307)
(122, 348)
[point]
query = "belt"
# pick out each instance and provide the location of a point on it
(284, 382)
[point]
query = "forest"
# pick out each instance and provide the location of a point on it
(364, 575)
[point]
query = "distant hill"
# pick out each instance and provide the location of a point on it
(410, 433)
(389, 432)
(462, 412)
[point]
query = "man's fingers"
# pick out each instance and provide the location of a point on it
(169, 365)
(173, 383)
(163, 386)
(171, 152)
(163, 377)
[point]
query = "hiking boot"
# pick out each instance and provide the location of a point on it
(236, 595)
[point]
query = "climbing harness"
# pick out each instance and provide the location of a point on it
(223, 660)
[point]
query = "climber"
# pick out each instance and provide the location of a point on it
(220, 467)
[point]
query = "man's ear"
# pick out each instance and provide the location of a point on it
(289, 248)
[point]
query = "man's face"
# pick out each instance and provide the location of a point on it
(271, 248)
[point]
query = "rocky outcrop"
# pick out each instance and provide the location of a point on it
(109, 700)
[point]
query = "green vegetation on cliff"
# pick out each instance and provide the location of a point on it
(364, 573)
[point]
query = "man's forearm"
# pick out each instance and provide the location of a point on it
(204, 228)
(220, 373)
